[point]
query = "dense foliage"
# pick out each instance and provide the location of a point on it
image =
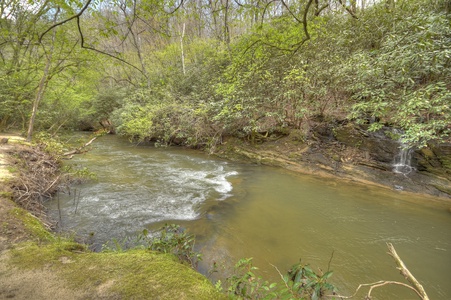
(192, 72)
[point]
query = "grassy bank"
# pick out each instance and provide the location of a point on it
(35, 263)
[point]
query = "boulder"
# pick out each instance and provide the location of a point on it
(435, 159)
(380, 146)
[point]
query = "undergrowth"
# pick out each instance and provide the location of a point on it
(300, 282)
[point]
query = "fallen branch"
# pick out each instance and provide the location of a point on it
(372, 286)
(80, 150)
(52, 184)
(406, 273)
(415, 285)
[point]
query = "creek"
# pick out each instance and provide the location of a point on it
(239, 210)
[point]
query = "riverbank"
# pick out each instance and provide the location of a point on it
(36, 264)
(351, 154)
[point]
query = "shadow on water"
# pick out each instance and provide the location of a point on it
(273, 215)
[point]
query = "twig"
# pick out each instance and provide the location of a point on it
(281, 276)
(348, 10)
(52, 184)
(330, 260)
(372, 286)
(417, 287)
(390, 282)
(66, 20)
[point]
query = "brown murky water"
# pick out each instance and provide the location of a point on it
(275, 216)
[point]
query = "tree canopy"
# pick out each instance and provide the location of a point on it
(193, 71)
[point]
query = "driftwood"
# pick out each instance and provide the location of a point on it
(37, 180)
(406, 273)
(79, 150)
(415, 285)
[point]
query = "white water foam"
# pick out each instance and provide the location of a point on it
(144, 189)
(403, 160)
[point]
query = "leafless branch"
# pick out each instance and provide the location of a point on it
(265, 9)
(372, 286)
(102, 52)
(406, 273)
(291, 13)
(304, 25)
(66, 20)
(330, 260)
(348, 10)
(176, 8)
(80, 149)
(415, 285)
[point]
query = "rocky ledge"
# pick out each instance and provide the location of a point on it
(353, 153)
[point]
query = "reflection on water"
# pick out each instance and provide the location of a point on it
(272, 215)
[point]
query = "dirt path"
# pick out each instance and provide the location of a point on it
(11, 229)
(12, 140)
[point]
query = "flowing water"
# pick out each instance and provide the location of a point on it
(273, 215)
(402, 163)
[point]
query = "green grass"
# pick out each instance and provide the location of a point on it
(32, 224)
(134, 274)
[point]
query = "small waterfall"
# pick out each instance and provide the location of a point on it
(402, 161)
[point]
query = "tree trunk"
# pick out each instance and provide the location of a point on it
(42, 83)
(226, 24)
(181, 47)
(37, 100)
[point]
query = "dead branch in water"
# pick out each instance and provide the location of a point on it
(82, 148)
(406, 273)
(415, 285)
(79, 150)
(373, 286)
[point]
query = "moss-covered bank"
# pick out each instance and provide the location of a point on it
(34, 263)
(133, 274)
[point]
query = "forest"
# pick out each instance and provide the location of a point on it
(196, 73)
(191, 72)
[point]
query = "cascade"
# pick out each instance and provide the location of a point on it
(402, 161)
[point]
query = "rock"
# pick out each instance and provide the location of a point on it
(380, 147)
(398, 188)
(435, 159)
(356, 154)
